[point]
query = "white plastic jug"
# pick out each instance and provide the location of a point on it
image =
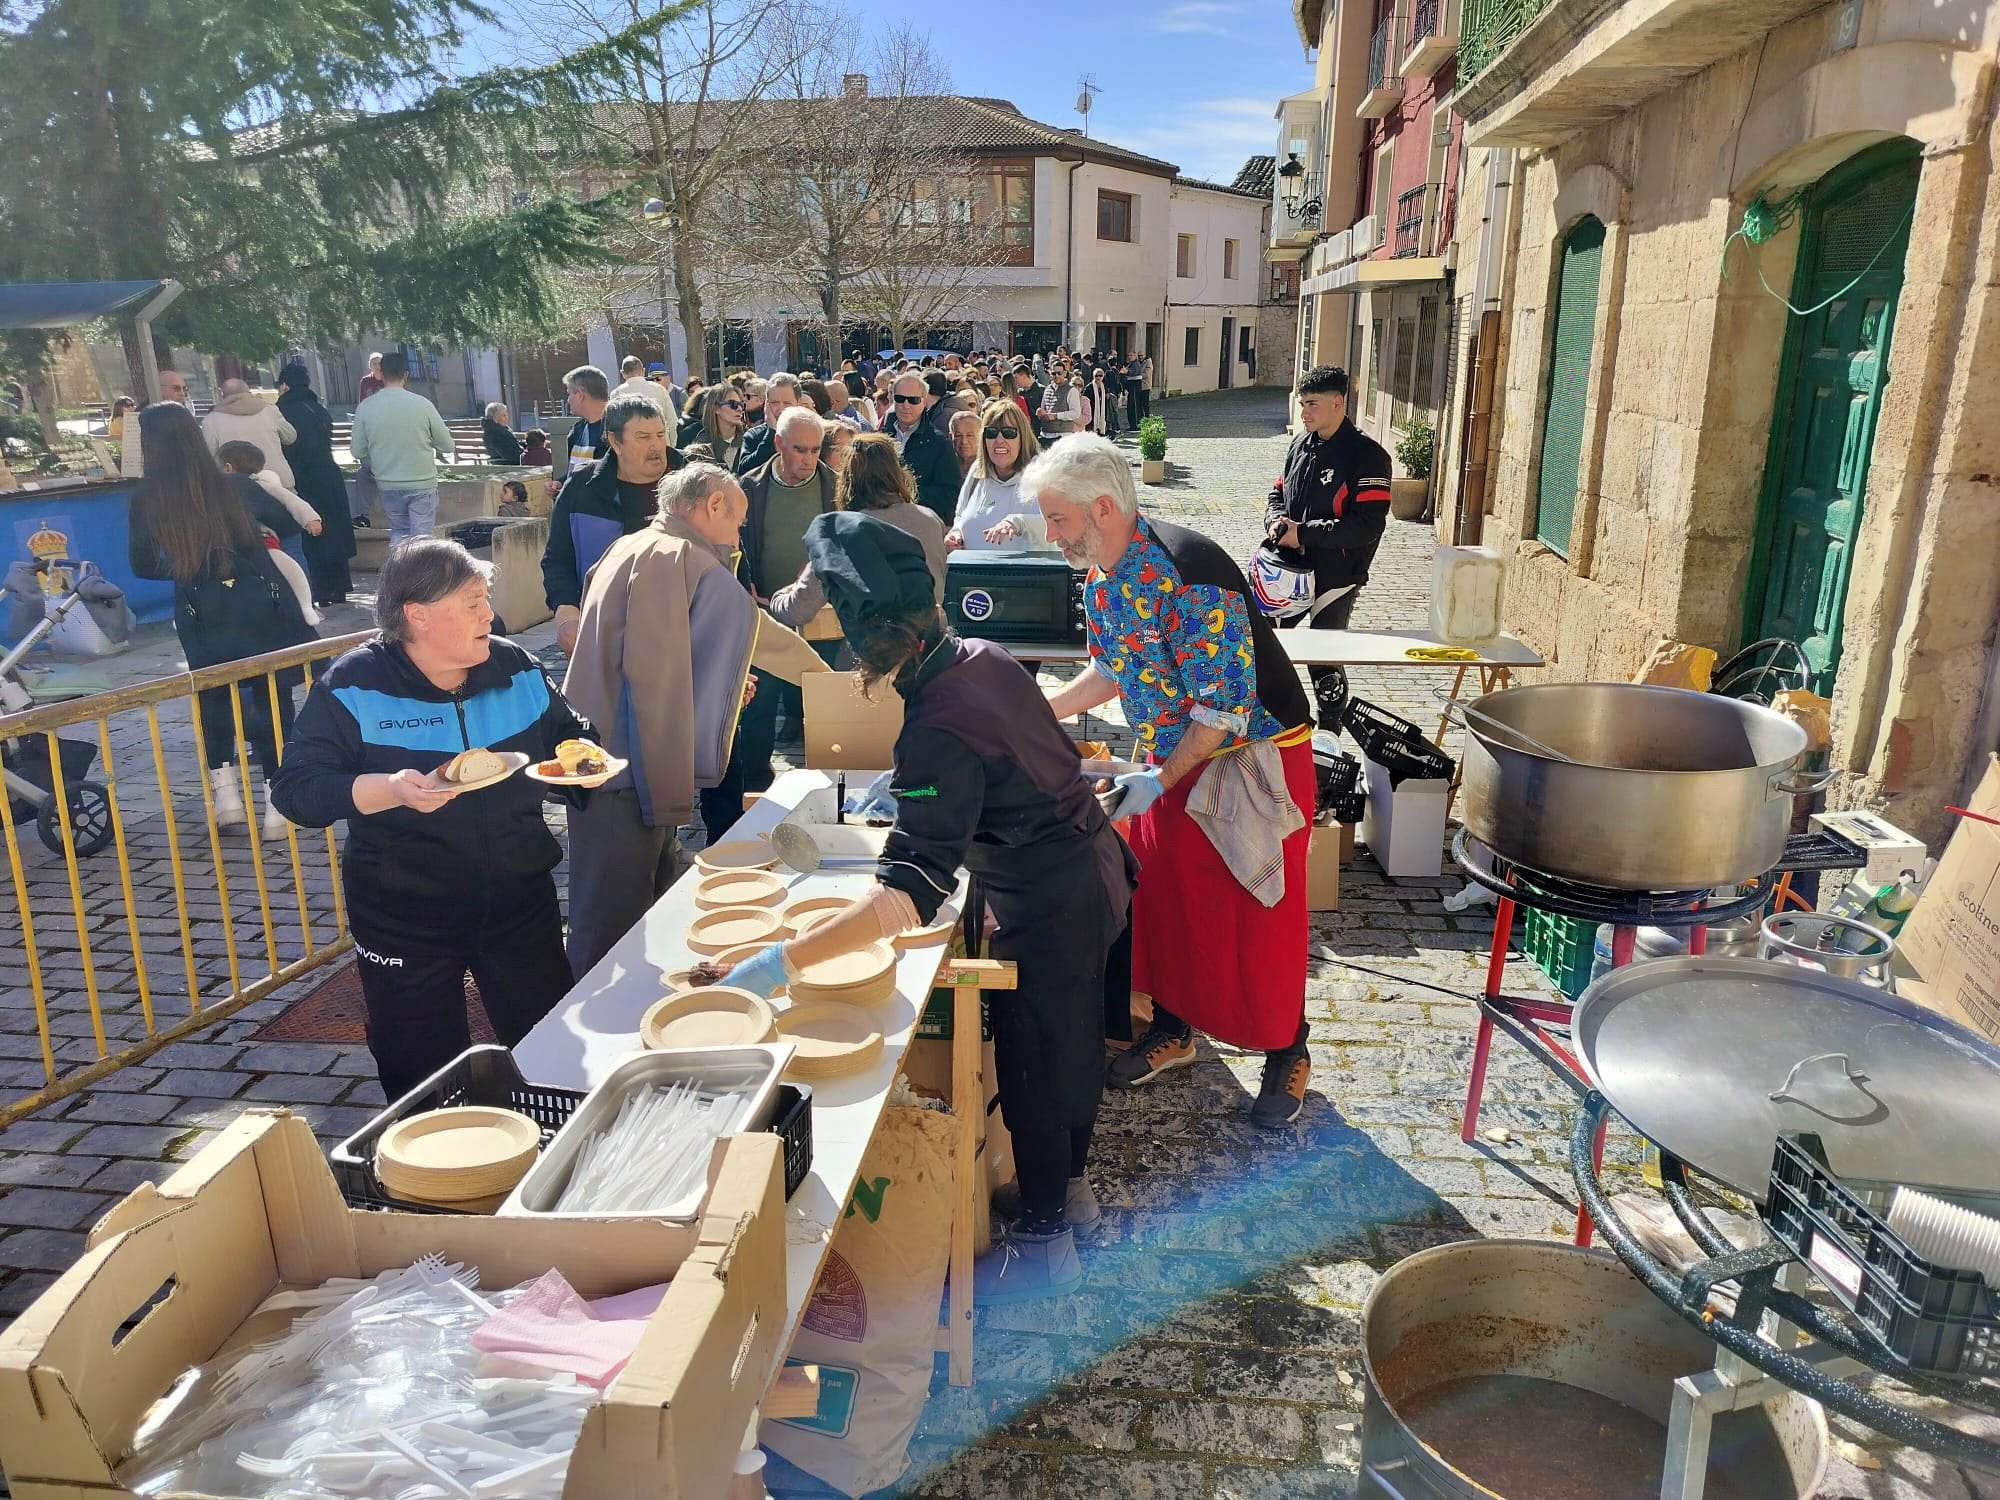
(1465, 593)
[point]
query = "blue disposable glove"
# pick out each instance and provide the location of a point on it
(760, 974)
(1137, 791)
(875, 802)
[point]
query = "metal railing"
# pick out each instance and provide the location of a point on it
(99, 1000)
(1424, 18)
(1412, 209)
(1487, 26)
(1381, 54)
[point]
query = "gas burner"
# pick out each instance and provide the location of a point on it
(1595, 903)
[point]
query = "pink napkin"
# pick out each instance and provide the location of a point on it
(552, 1328)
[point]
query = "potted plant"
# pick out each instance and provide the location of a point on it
(1410, 494)
(1153, 450)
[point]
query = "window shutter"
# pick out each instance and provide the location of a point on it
(1575, 316)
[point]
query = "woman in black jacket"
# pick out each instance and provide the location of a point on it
(319, 482)
(188, 523)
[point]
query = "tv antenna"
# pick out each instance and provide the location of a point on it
(1087, 90)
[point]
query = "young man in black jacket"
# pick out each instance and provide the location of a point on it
(1328, 508)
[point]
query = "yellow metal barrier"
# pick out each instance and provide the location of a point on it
(117, 982)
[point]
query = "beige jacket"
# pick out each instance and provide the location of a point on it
(247, 417)
(664, 646)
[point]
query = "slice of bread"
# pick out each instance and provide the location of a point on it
(473, 765)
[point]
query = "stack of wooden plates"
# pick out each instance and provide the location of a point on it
(939, 931)
(737, 854)
(468, 1157)
(818, 908)
(713, 1017)
(832, 1040)
(734, 927)
(738, 888)
(867, 976)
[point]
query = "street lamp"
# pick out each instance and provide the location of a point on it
(1292, 191)
(655, 211)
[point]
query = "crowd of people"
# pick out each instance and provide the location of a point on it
(710, 547)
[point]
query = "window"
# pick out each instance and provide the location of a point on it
(1423, 390)
(1003, 199)
(1191, 354)
(1573, 321)
(1184, 255)
(1229, 254)
(1033, 338)
(1114, 215)
(1405, 367)
(1385, 165)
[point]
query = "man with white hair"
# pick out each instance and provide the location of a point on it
(240, 415)
(927, 451)
(1222, 815)
(664, 642)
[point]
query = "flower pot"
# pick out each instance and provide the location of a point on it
(1153, 470)
(1408, 497)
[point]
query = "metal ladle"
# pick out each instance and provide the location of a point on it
(800, 852)
(1521, 739)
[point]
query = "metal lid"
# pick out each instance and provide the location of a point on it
(1712, 1058)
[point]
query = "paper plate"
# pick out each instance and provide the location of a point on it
(515, 761)
(831, 1039)
(738, 888)
(940, 930)
(817, 908)
(613, 765)
(450, 1155)
(712, 1017)
(866, 976)
(737, 854)
(734, 927)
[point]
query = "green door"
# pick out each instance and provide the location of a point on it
(1855, 231)
(1575, 320)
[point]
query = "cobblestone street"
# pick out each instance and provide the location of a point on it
(1214, 1354)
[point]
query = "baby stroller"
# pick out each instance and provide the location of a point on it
(24, 763)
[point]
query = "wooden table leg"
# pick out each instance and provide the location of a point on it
(969, 1108)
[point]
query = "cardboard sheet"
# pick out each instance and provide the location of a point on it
(1952, 938)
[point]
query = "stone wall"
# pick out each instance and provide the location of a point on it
(1685, 370)
(1277, 343)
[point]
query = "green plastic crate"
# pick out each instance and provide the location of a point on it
(1562, 948)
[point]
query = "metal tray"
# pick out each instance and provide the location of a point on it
(1711, 1058)
(753, 1070)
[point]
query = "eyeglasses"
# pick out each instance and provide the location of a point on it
(732, 406)
(902, 400)
(994, 434)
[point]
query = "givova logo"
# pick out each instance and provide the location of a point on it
(409, 723)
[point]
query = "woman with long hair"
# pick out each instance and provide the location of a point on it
(991, 515)
(189, 524)
(723, 419)
(872, 480)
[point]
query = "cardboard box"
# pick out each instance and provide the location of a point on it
(258, 1209)
(1346, 843)
(1952, 938)
(1323, 859)
(846, 731)
(1404, 825)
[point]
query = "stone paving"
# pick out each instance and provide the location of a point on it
(1214, 1353)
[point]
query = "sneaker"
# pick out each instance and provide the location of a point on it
(1080, 1208)
(227, 790)
(274, 823)
(1283, 1093)
(1146, 1059)
(1026, 1267)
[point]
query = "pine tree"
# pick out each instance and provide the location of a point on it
(305, 168)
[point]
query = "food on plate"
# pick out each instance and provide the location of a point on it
(582, 758)
(472, 765)
(707, 974)
(1093, 749)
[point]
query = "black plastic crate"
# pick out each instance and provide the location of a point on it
(1375, 728)
(1336, 773)
(1412, 760)
(488, 1075)
(1350, 808)
(1932, 1318)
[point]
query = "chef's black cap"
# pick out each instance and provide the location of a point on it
(868, 567)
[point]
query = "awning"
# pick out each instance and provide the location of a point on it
(58, 304)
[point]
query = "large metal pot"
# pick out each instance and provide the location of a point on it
(1660, 789)
(1481, 1309)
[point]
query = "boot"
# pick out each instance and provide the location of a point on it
(1027, 1266)
(1080, 1208)
(275, 822)
(228, 792)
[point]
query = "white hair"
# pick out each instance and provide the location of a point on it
(687, 489)
(493, 410)
(1079, 469)
(784, 380)
(801, 416)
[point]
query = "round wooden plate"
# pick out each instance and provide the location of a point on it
(939, 931)
(866, 976)
(806, 922)
(832, 1039)
(678, 980)
(469, 1151)
(612, 766)
(714, 1017)
(737, 854)
(733, 927)
(817, 907)
(738, 888)
(515, 761)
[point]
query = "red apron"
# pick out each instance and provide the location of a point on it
(1202, 945)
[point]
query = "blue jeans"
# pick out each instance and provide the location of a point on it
(410, 512)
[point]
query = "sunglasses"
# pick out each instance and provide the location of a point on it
(902, 400)
(732, 406)
(994, 434)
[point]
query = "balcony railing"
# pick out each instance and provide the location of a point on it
(1487, 26)
(1424, 18)
(1381, 65)
(1412, 210)
(1385, 86)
